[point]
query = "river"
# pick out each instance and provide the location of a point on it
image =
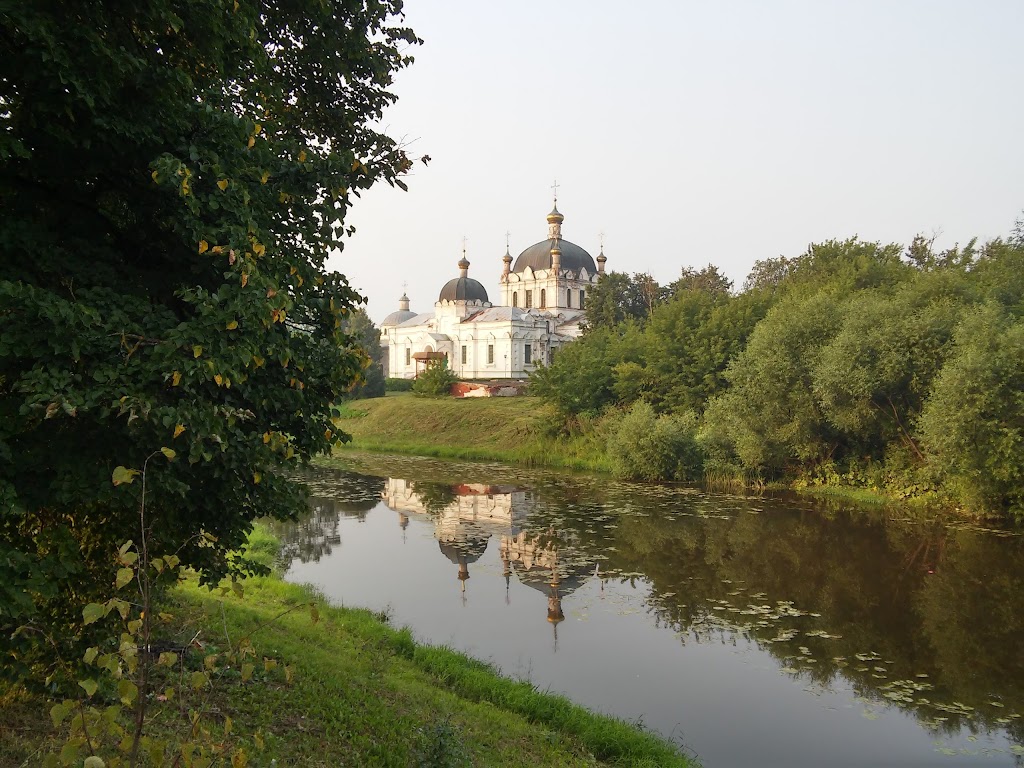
(749, 630)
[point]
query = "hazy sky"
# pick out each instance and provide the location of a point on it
(693, 133)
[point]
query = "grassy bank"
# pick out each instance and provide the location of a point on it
(517, 430)
(352, 690)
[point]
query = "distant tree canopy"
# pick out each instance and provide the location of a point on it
(173, 178)
(366, 338)
(876, 364)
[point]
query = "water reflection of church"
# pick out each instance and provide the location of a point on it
(465, 517)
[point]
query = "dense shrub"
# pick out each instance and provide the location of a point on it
(398, 385)
(646, 446)
(435, 381)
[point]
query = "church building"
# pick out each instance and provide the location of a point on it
(542, 298)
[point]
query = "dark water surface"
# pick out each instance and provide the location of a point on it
(752, 631)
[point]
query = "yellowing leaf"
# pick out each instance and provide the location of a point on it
(223, 184)
(168, 452)
(256, 477)
(175, 380)
(168, 659)
(252, 140)
(203, 246)
(302, 156)
(259, 249)
(178, 429)
(232, 325)
(124, 575)
(197, 680)
(89, 686)
(245, 278)
(219, 379)
(264, 177)
(122, 475)
(247, 669)
(197, 350)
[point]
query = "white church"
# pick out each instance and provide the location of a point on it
(542, 300)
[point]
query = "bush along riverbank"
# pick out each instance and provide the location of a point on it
(266, 671)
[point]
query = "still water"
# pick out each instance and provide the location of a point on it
(750, 631)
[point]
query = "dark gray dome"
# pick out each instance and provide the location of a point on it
(463, 289)
(538, 256)
(398, 317)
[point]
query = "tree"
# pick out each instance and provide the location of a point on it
(770, 411)
(581, 379)
(172, 183)
(974, 419)
(366, 336)
(709, 279)
(617, 297)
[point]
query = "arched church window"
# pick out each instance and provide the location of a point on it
(583, 296)
(515, 298)
(568, 297)
(543, 298)
(529, 299)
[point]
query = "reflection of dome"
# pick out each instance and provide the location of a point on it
(569, 578)
(538, 256)
(463, 289)
(462, 552)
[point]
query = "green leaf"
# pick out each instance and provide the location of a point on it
(58, 712)
(168, 659)
(90, 655)
(94, 612)
(197, 680)
(124, 575)
(247, 670)
(123, 476)
(89, 686)
(168, 452)
(127, 691)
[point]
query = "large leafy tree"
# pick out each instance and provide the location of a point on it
(172, 178)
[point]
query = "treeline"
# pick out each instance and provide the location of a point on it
(853, 363)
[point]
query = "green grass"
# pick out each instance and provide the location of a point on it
(361, 693)
(517, 430)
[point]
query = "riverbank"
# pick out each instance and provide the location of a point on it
(523, 431)
(516, 430)
(352, 690)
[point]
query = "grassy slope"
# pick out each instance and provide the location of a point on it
(364, 693)
(511, 429)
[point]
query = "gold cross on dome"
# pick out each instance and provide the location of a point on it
(555, 188)
(600, 237)
(507, 236)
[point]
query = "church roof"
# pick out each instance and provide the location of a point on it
(463, 289)
(421, 319)
(496, 313)
(538, 256)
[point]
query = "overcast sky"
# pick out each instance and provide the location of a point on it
(692, 133)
